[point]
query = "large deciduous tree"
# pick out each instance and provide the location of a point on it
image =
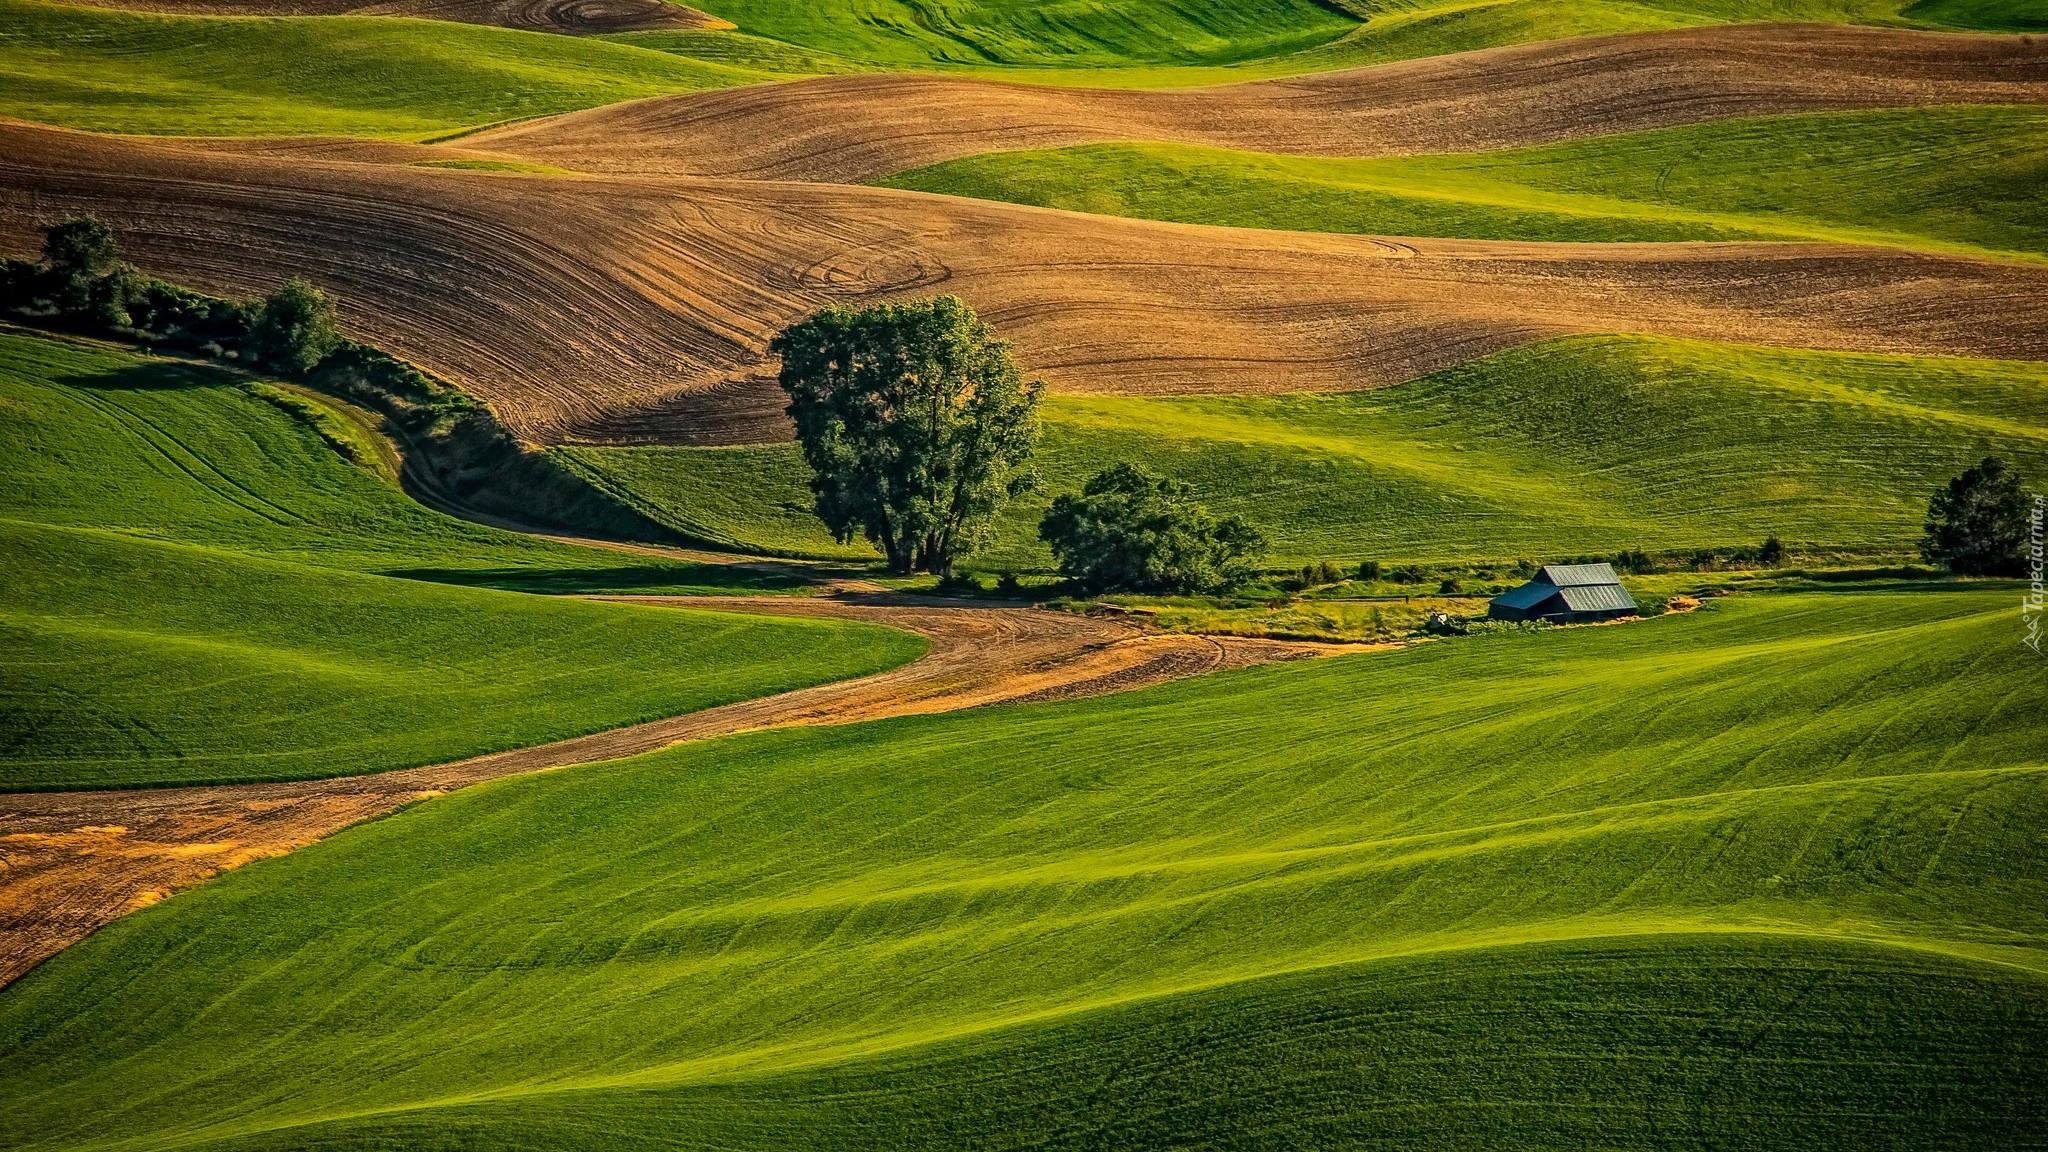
(1134, 531)
(916, 422)
(1977, 525)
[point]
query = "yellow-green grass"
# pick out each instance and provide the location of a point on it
(1144, 43)
(114, 71)
(1576, 446)
(200, 588)
(1766, 875)
(1969, 180)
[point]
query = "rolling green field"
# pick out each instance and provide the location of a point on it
(1065, 34)
(200, 589)
(1584, 445)
(114, 71)
(1971, 180)
(1175, 42)
(1766, 875)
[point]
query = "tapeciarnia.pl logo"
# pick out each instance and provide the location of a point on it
(2030, 608)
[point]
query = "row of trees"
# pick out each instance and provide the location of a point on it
(83, 283)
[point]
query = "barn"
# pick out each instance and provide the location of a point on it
(1566, 594)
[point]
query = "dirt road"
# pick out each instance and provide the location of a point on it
(73, 861)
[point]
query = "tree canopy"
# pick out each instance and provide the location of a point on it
(1977, 525)
(916, 422)
(1137, 532)
(294, 328)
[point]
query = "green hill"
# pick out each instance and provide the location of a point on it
(114, 71)
(1174, 42)
(200, 589)
(1766, 875)
(1064, 34)
(1967, 180)
(1576, 446)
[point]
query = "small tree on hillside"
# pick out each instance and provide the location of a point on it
(294, 329)
(1134, 531)
(84, 276)
(916, 422)
(79, 251)
(1977, 525)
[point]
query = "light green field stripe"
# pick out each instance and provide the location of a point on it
(1961, 180)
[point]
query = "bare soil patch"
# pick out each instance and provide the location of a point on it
(71, 862)
(858, 128)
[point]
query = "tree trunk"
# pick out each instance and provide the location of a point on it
(902, 561)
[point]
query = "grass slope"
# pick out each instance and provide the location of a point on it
(1967, 180)
(1030, 33)
(1769, 875)
(114, 71)
(1172, 42)
(1582, 445)
(199, 588)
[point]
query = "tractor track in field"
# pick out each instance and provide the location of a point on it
(71, 862)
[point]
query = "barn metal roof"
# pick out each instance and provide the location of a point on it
(1596, 597)
(1582, 587)
(1526, 597)
(1567, 575)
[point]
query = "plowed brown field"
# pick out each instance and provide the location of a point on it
(618, 309)
(73, 861)
(856, 128)
(577, 17)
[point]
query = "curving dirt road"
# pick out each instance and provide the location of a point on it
(73, 861)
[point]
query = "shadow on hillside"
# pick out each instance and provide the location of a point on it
(149, 377)
(682, 577)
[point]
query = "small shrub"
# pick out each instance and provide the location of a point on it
(1369, 571)
(1409, 574)
(1130, 530)
(1704, 561)
(1450, 586)
(1633, 561)
(1771, 552)
(960, 584)
(1007, 585)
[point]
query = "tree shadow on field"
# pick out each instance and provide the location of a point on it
(151, 377)
(1906, 579)
(682, 578)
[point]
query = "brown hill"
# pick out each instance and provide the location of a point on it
(638, 309)
(856, 128)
